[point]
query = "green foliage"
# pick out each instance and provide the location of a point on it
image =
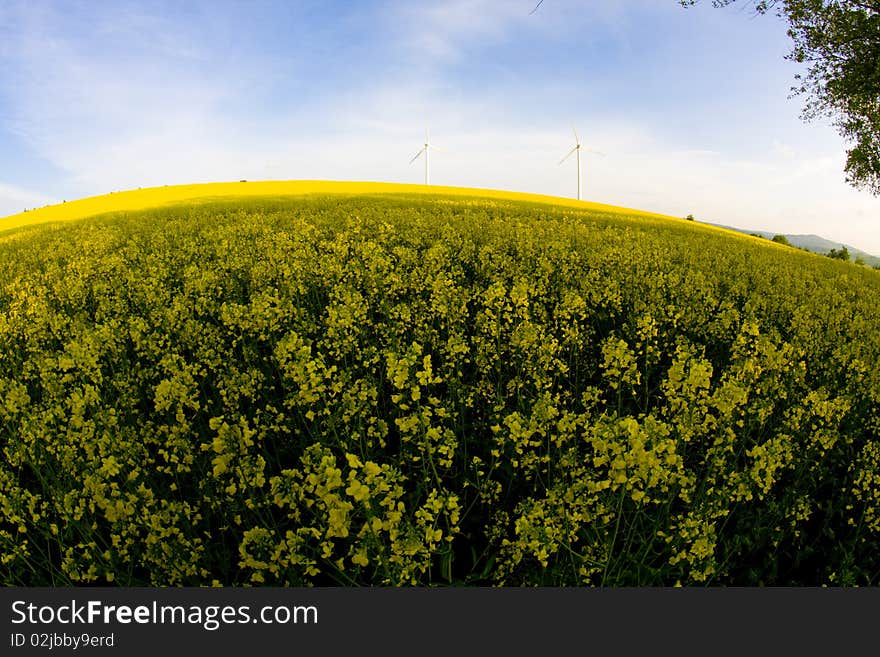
(781, 239)
(398, 391)
(839, 254)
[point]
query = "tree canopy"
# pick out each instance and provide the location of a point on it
(839, 40)
(839, 254)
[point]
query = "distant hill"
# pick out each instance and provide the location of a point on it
(812, 243)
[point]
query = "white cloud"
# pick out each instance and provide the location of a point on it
(15, 199)
(436, 32)
(116, 125)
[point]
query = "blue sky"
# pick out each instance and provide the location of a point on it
(690, 107)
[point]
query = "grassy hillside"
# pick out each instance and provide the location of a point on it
(364, 387)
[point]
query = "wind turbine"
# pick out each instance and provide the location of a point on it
(577, 149)
(425, 149)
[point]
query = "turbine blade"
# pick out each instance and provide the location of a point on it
(416, 156)
(577, 139)
(596, 152)
(569, 155)
(536, 7)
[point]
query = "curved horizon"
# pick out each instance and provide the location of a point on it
(150, 197)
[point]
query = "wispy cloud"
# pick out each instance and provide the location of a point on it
(16, 199)
(139, 94)
(439, 32)
(117, 103)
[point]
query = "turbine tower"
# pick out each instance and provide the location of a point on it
(577, 150)
(425, 149)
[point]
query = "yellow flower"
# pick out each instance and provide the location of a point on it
(357, 490)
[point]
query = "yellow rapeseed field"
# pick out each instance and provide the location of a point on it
(313, 383)
(153, 197)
